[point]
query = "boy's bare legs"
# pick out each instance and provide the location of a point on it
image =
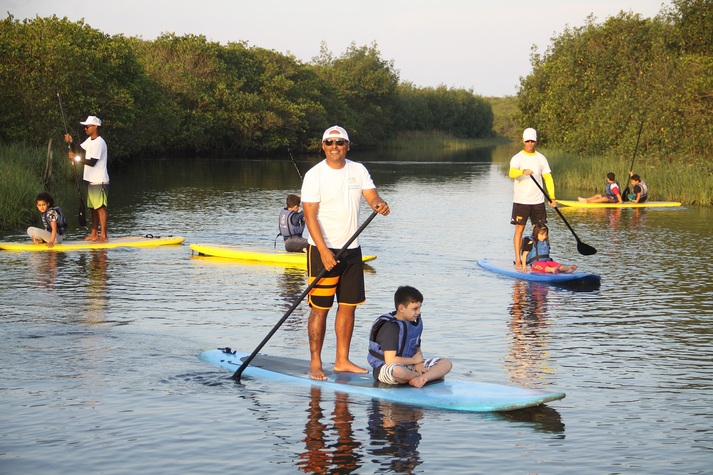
(404, 375)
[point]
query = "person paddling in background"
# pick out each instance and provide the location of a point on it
(612, 192)
(528, 200)
(95, 162)
(292, 225)
(639, 188)
(53, 220)
(395, 344)
(536, 253)
(331, 197)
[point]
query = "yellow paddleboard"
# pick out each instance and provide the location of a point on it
(265, 256)
(626, 204)
(128, 241)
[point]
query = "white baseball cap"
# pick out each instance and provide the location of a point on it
(92, 120)
(335, 132)
(529, 134)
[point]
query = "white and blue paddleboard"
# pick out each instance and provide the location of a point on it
(505, 267)
(454, 394)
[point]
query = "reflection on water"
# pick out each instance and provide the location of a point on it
(394, 432)
(95, 264)
(544, 419)
(330, 445)
(527, 358)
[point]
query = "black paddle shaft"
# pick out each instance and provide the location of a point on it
(322, 273)
(295, 163)
(624, 195)
(81, 215)
(584, 249)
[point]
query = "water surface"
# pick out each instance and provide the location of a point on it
(98, 355)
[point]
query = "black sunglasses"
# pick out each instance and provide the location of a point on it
(329, 142)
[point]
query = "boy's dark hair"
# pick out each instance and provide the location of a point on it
(292, 200)
(46, 197)
(635, 177)
(405, 295)
(611, 176)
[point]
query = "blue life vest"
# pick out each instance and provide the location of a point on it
(540, 251)
(608, 189)
(289, 229)
(409, 338)
(61, 220)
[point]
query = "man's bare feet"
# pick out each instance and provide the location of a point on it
(419, 381)
(101, 239)
(581, 200)
(316, 372)
(91, 237)
(349, 367)
(572, 268)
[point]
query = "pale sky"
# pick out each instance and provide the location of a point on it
(479, 45)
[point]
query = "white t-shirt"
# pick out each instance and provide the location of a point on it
(526, 192)
(96, 148)
(338, 193)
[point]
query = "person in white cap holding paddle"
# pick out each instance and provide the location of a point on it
(528, 199)
(95, 159)
(331, 196)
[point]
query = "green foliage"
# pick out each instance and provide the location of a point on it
(187, 94)
(595, 85)
(505, 114)
(21, 171)
(457, 112)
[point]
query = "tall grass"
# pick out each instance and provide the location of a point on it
(22, 170)
(438, 141)
(688, 183)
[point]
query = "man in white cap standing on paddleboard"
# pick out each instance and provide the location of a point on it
(528, 199)
(331, 196)
(95, 159)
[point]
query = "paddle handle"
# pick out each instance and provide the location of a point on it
(322, 273)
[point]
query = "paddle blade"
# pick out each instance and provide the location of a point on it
(585, 249)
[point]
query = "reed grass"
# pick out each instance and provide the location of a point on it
(439, 141)
(690, 183)
(22, 169)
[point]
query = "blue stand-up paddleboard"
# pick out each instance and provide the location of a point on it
(575, 279)
(450, 393)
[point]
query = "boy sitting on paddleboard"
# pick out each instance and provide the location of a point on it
(292, 225)
(53, 220)
(612, 192)
(395, 344)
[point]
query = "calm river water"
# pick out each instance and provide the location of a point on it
(99, 368)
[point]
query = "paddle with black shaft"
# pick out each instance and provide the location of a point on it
(624, 196)
(82, 211)
(318, 277)
(584, 249)
(295, 163)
